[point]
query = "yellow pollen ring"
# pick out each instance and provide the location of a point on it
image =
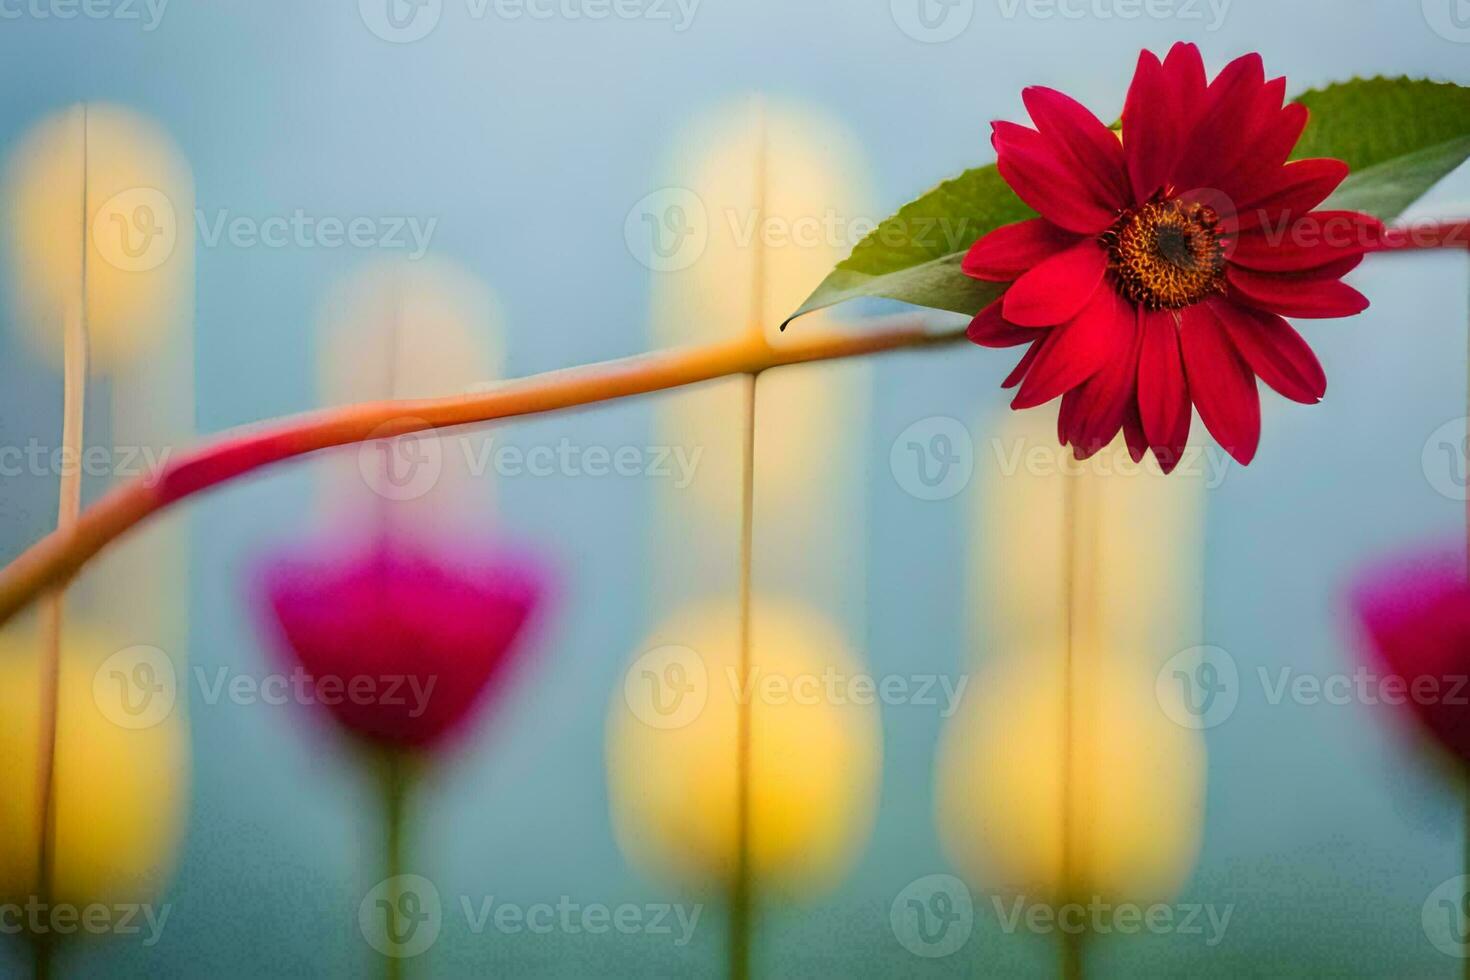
(1166, 254)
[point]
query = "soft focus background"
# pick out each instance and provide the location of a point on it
(531, 152)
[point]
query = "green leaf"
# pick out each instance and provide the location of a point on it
(914, 256)
(1400, 136)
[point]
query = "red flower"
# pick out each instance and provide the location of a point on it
(399, 642)
(1415, 612)
(1161, 266)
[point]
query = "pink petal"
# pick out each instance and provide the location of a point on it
(1221, 384)
(451, 620)
(1008, 251)
(1058, 288)
(1415, 611)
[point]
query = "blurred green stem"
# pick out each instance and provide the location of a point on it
(395, 778)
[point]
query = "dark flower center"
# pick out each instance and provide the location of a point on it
(1166, 254)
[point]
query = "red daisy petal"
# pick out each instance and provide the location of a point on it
(1152, 125)
(990, 329)
(1104, 400)
(1184, 72)
(1023, 366)
(1058, 288)
(1216, 143)
(1163, 393)
(1092, 149)
(1302, 295)
(1133, 433)
(1275, 351)
(1010, 250)
(1293, 190)
(1270, 147)
(1221, 384)
(1068, 418)
(1076, 350)
(1313, 241)
(1031, 167)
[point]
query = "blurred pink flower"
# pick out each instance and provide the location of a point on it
(402, 642)
(1415, 611)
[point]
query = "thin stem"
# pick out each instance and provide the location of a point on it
(1080, 524)
(57, 557)
(395, 794)
(1071, 945)
(742, 898)
(68, 507)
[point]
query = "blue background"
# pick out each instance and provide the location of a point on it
(530, 141)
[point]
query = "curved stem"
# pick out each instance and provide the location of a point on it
(1439, 234)
(56, 558)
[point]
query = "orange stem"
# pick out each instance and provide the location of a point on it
(56, 558)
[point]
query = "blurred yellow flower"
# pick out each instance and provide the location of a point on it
(121, 773)
(815, 751)
(1135, 804)
(1097, 561)
(100, 193)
